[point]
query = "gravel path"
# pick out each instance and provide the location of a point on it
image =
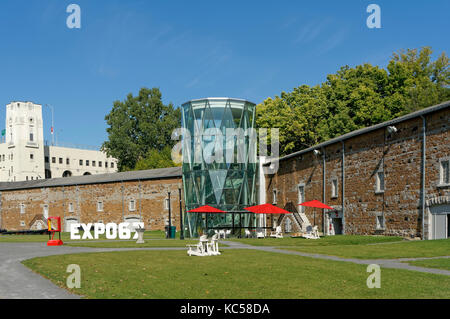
(17, 281)
(386, 263)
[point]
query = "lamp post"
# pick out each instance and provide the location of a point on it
(168, 193)
(181, 216)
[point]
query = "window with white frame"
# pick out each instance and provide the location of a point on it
(444, 172)
(274, 196)
(334, 188)
(132, 205)
(380, 221)
(71, 208)
(45, 211)
(166, 203)
(99, 206)
(22, 208)
(380, 182)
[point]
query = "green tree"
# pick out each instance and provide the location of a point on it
(139, 124)
(357, 97)
(156, 159)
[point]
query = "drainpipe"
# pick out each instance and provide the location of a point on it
(323, 190)
(424, 126)
(343, 187)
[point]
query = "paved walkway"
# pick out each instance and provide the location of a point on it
(386, 263)
(17, 281)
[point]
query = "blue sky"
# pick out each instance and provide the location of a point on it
(192, 49)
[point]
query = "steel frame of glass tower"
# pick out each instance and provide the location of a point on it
(219, 162)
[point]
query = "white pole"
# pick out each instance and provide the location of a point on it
(53, 128)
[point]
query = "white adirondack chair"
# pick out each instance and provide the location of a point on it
(200, 248)
(313, 234)
(213, 247)
(259, 233)
(277, 234)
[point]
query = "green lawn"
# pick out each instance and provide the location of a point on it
(406, 249)
(323, 241)
(441, 263)
(242, 274)
(65, 237)
(132, 244)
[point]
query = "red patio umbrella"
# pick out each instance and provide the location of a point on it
(315, 203)
(206, 209)
(266, 209)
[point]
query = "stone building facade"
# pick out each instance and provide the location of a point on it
(373, 178)
(379, 180)
(120, 197)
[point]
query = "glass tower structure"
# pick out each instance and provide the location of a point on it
(219, 162)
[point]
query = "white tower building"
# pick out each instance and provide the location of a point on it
(24, 155)
(23, 151)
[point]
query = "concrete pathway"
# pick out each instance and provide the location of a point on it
(386, 263)
(17, 281)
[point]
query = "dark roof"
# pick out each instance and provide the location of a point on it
(364, 130)
(160, 173)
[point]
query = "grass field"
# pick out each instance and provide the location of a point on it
(65, 237)
(406, 249)
(323, 241)
(234, 274)
(132, 244)
(441, 263)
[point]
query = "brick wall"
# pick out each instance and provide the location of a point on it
(149, 196)
(398, 155)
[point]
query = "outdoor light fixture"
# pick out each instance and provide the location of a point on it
(392, 129)
(316, 152)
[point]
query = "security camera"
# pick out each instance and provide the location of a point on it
(392, 129)
(316, 152)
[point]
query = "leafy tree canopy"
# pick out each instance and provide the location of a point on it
(138, 125)
(156, 159)
(357, 97)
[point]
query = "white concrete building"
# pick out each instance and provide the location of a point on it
(24, 155)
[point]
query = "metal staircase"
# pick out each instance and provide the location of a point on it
(300, 218)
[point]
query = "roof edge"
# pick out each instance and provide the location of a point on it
(425, 111)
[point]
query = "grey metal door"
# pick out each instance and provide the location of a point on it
(440, 223)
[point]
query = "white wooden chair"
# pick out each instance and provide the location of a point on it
(227, 233)
(200, 248)
(277, 234)
(259, 233)
(248, 233)
(212, 248)
(312, 234)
